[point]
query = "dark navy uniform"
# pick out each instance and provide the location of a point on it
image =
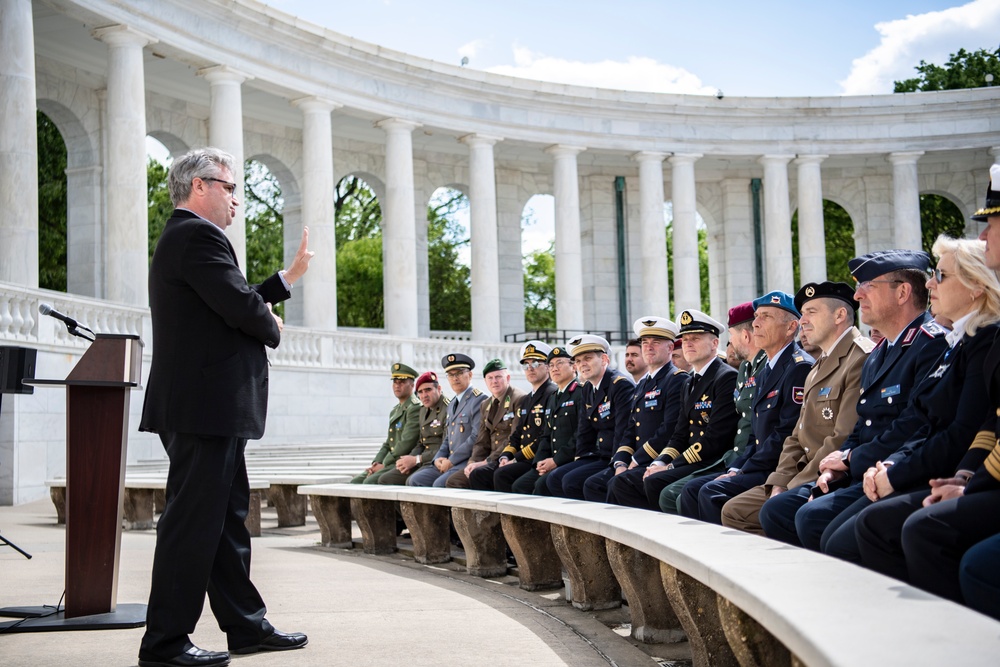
(776, 408)
(558, 439)
(523, 441)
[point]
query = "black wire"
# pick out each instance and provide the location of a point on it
(55, 610)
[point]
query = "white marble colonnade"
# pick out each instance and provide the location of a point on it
(906, 200)
(777, 225)
(569, 255)
(812, 241)
(483, 238)
(687, 279)
(655, 289)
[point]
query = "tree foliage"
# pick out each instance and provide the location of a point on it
(158, 197)
(939, 215)
(839, 232)
(450, 279)
(706, 295)
(263, 204)
(963, 70)
(51, 205)
(540, 289)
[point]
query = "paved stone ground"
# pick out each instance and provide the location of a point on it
(357, 610)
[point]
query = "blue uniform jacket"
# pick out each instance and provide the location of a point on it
(706, 422)
(604, 416)
(776, 408)
(655, 406)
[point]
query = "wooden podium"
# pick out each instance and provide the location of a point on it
(97, 414)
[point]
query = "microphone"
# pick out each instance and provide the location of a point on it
(46, 309)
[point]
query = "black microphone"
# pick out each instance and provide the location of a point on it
(46, 309)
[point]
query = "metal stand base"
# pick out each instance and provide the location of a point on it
(42, 619)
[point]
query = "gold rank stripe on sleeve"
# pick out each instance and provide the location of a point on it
(992, 464)
(509, 449)
(528, 451)
(671, 452)
(691, 454)
(984, 440)
(648, 448)
(625, 448)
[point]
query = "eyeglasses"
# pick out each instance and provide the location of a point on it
(939, 275)
(454, 375)
(226, 185)
(532, 364)
(867, 285)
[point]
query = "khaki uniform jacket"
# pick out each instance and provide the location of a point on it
(829, 412)
(432, 426)
(499, 419)
(404, 429)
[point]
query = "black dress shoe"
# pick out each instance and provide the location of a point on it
(276, 641)
(193, 657)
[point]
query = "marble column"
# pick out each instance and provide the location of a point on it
(687, 279)
(995, 152)
(812, 241)
(569, 261)
(739, 243)
(654, 289)
(905, 200)
(225, 131)
(18, 146)
(777, 225)
(399, 230)
(319, 286)
(483, 238)
(126, 232)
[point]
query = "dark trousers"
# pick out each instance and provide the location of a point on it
(530, 482)
(626, 489)
(481, 479)
(878, 530)
(595, 489)
(936, 538)
(703, 497)
(977, 575)
(819, 521)
(505, 476)
(202, 544)
(777, 515)
(567, 480)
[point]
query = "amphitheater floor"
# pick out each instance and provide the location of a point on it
(356, 609)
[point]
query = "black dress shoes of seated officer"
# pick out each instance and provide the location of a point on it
(193, 657)
(276, 641)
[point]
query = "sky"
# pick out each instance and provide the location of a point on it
(764, 49)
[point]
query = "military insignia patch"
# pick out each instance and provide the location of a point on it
(451, 357)
(530, 349)
(575, 341)
(556, 351)
(686, 318)
(798, 395)
(649, 323)
(827, 413)
(810, 291)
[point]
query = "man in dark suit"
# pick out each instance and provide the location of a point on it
(206, 396)
(776, 407)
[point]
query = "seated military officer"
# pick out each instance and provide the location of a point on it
(518, 456)
(498, 417)
(404, 426)
(829, 410)
(557, 443)
(635, 364)
(432, 420)
(461, 425)
(706, 420)
(607, 397)
(776, 410)
(655, 406)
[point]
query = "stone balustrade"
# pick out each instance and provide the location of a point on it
(738, 598)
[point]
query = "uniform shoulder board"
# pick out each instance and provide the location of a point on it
(866, 344)
(572, 386)
(798, 358)
(447, 400)
(476, 391)
(679, 371)
(618, 379)
(414, 400)
(933, 329)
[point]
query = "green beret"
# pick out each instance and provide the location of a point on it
(494, 365)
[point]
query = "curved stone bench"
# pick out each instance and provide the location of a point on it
(740, 599)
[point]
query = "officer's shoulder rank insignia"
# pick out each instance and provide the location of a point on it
(476, 392)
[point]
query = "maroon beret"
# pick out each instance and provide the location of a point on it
(429, 376)
(741, 313)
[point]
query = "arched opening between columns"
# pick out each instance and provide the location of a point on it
(448, 263)
(52, 205)
(539, 262)
(838, 233)
(360, 291)
(940, 214)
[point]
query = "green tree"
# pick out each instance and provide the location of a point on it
(839, 232)
(939, 215)
(706, 295)
(360, 297)
(51, 205)
(963, 70)
(158, 196)
(450, 280)
(540, 289)
(264, 222)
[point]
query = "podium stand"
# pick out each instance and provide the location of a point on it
(97, 410)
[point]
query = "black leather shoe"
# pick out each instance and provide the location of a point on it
(276, 641)
(193, 657)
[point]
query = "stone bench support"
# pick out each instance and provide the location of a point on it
(752, 644)
(138, 514)
(483, 541)
(377, 521)
(291, 507)
(538, 564)
(698, 611)
(653, 617)
(592, 582)
(430, 528)
(333, 515)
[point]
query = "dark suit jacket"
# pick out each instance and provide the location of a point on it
(706, 421)
(209, 370)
